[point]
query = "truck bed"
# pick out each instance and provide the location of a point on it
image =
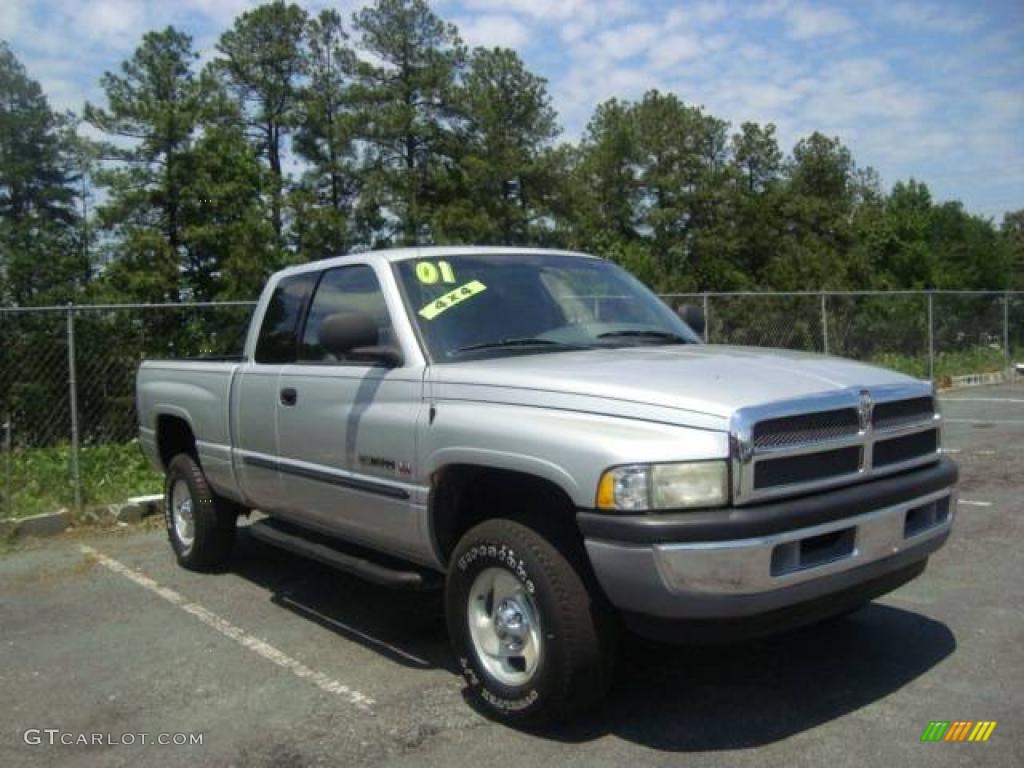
(197, 390)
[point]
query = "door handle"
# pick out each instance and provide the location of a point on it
(289, 396)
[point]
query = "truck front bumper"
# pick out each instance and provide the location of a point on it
(749, 562)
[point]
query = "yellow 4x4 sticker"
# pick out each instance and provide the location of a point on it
(450, 299)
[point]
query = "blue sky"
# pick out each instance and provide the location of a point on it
(922, 88)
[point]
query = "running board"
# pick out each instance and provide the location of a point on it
(342, 556)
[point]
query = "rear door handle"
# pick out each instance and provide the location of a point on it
(289, 396)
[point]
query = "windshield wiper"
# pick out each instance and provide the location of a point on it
(516, 342)
(674, 338)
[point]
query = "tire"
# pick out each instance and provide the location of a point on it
(206, 544)
(502, 569)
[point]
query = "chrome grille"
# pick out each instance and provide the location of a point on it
(818, 442)
(806, 428)
(898, 413)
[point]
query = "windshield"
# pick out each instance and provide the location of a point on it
(468, 307)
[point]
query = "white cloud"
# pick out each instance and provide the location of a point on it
(11, 13)
(756, 98)
(710, 11)
(494, 30)
(752, 52)
(717, 42)
(1003, 105)
(121, 22)
(538, 9)
(572, 20)
(59, 79)
(835, 103)
(626, 42)
(572, 32)
(698, 14)
(674, 49)
(223, 12)
(804, 22)
(589, 11)
(765, 9)
(929, 16)
(583, 88)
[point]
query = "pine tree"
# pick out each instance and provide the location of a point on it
(41, 259)
(506, 172)
(406, 112)
(262, 65)
(154, 108)
(325, 140)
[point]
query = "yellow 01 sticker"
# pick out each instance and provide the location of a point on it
(428, 273)
(450, 299)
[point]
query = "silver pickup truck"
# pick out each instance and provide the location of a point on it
(539, 434)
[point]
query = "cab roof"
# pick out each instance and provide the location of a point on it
(392, 255)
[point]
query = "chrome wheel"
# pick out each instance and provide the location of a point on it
(182, 513)
(504, 624)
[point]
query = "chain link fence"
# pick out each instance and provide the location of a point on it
(937, 335)
(67, 395)
(67, 374)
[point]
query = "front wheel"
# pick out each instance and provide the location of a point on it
(201, 527)
(532, 642)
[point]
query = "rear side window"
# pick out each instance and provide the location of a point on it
(277, 341)
(341, 290)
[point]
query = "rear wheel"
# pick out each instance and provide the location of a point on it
(201, 527)
(533, 643)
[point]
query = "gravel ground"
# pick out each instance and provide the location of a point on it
(279, 662)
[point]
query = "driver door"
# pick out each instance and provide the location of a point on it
(346, 428)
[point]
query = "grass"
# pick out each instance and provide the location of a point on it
(948, 364)
(41, 477)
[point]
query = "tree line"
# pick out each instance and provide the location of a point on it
(311, 135)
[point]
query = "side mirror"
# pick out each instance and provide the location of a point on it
(693, 317)
(354, 336)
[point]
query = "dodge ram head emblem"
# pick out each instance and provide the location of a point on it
(864, 409)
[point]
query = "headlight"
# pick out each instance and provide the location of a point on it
(641, 487)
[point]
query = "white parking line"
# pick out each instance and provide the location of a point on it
(259, 647)
(970, 503)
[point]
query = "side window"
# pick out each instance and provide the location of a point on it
(344, 289)
(277, 339)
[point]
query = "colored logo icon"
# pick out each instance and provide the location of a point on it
(958, 730)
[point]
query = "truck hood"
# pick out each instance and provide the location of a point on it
(707, 379)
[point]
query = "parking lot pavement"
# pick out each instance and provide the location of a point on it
(280, 662)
